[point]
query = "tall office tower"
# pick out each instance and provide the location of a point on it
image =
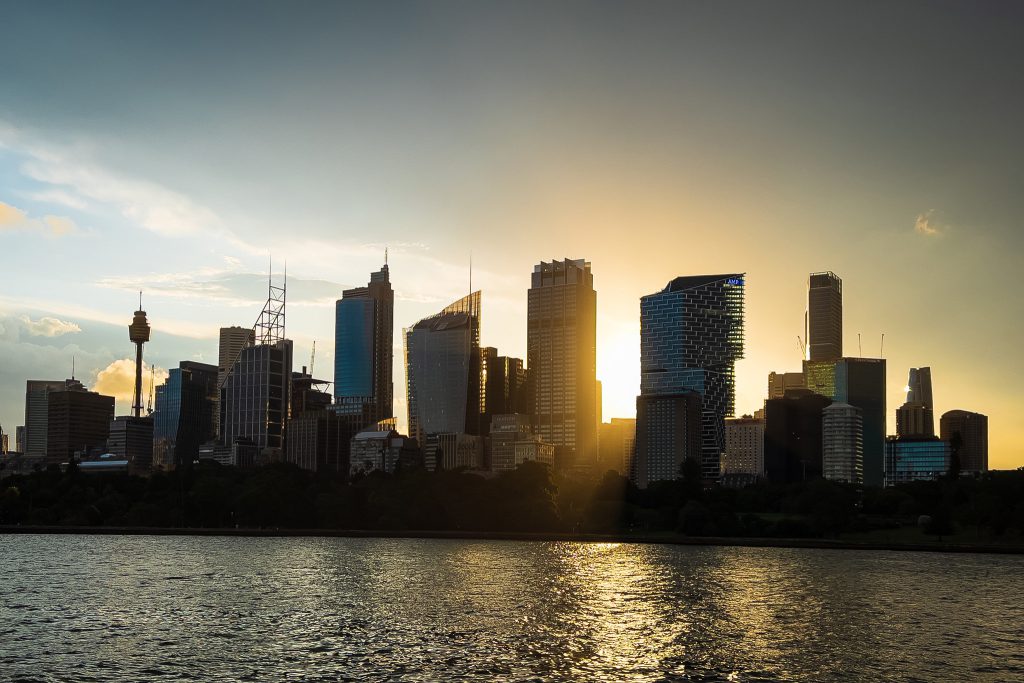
(744, 447)
(793, 438)
(232, 341)
(919, 387)
(781, 382)
(37, 397)
(77, 422)
(505, 389)
(617, 444)
(255, 397)
(861, 383)
(561, 343)
(19, 438)
(823, 323)
(363, 351)
(138, 333)
(973, 442)
(184, 418)
(842, 442)
(4, 442)
(444, 375)
(691, 335)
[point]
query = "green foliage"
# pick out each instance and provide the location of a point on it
(531, 498)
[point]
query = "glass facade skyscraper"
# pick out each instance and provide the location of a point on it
(691, 335)
(256, 397)
(363, 351)
(561, 357)
(908, 460)
(184, 417)
(443, 371)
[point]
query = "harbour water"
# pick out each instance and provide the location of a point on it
(181, 608)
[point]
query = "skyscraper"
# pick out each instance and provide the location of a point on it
(37, 397)
(618, 444)
(443, 371)
(919, 387)
(185, 408)
(561, 342)
(972, 429)
(842, 437)
(232, 341)
(861, 383)
(691, 335)
(824, 318)
(78, 421)
(363, 351)
(255, 396)
(505, 389)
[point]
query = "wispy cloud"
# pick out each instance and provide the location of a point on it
(72, 179)
(12, 218)
(226, 286)
(925, 224)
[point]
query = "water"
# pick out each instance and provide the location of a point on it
(116, 608)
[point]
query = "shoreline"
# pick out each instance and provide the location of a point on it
(643, 538)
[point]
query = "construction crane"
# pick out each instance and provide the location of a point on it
(152, 389)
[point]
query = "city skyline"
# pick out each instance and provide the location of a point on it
(95, 206)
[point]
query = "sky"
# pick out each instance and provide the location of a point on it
(180, 148)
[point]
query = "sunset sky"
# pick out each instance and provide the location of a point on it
(171, 147)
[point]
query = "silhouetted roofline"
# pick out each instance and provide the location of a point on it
(690, 281)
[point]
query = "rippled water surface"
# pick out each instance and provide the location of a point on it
(113, 608)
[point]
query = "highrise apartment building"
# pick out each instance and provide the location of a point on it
(842, 439)
(561, 342)
(691, 335)
(823, 324)
(363, 352)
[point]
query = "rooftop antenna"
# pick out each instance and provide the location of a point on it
(312, 357)
(860, 351)
(470, 271)
(385, 256)
(72, 366)
(881, 346)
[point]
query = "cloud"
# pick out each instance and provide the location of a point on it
(118, 380)
(227, 287)
(77, 183)
(12, 218)
(925, 225)
(48, 327)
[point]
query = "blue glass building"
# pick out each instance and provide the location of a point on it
(184, 415)
(691, 335)
(363, 351)
(909, 460)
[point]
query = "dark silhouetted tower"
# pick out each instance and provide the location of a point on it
(138, 332)
(824, 318)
